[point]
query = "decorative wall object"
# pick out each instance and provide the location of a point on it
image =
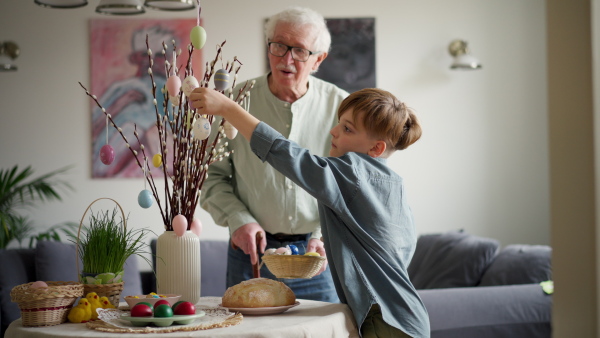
(120, 79)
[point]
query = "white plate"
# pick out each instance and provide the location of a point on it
(163, 321)
(261, 311)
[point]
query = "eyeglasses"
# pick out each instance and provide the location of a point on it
(298, 54)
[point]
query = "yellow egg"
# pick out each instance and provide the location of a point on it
(157, 160)
(312, 254)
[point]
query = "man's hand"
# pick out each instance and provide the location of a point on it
(315, 245)
(245, 239)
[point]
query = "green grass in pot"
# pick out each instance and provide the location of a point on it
(104, 246)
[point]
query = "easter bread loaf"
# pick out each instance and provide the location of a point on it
(258, 292)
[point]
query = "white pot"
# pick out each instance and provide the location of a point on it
(178, 265)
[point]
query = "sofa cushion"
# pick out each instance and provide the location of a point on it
(17, 268)
(452, 259)
(55, 261)
(519, 264)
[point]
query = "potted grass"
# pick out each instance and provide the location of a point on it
(103, 245)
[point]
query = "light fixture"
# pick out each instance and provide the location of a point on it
(462, 59)
(120, 7)
(8, 52)
(170, 5)
(61, 3)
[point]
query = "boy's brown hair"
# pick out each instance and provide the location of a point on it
(384, 116)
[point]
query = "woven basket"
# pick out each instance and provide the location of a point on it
(293, 266)
(110, 291)
(46, 306)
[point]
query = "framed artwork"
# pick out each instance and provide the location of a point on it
(121, 81)
(351, 61)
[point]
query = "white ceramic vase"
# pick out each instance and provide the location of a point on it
(178, 265)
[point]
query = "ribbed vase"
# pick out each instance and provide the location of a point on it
(178, 265)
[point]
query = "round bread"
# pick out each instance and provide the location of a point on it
(258, 292)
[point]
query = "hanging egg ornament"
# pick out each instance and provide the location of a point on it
(221, 79)
(157, 160)
(107, 154)
(173, 87)
(196, 227)
(145, 199)
(180, 224)
(201, 128)
(230, 130)
(198, 37)
(189, 84)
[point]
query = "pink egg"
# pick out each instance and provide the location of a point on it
(38, 284)
(173, 85)
(189, 84)
(180, 224)
(107, 154)
(282, 251)
(196, 227)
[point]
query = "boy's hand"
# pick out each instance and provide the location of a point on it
(317, 245)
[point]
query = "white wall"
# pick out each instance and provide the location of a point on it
(482, 164)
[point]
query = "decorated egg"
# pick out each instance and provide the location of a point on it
(157, 160)
(221, 79)
(313, 253)
(163, 310)
(173, 85)
(283, 251)
(198, 37)
(141, 310)
(196, 227)
(38, 284)
(293, 249)
(180, 224)
(230, 130)
(107, 154)
(189, 84)
(145, 199)
(269, 252)
(174, 100)
(201, 128)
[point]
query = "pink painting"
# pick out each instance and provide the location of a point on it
(121, 81)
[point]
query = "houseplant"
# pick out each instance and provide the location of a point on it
(18, 192)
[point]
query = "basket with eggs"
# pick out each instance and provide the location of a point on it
(285, 262)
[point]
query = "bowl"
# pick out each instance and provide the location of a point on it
(171, 298)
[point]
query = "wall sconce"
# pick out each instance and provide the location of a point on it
(61, 3)
(120, 7)
(462, 59)
(8, 52)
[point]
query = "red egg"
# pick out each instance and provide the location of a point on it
(185, 308)
(161, 301)
(141, 310)
(107, 154)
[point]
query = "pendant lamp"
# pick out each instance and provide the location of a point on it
(61, 3)
(170, 5)
(120, 7)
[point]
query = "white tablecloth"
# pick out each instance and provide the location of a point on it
(309, 319)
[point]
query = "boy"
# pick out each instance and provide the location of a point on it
(367, 224)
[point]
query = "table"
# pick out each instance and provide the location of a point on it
(309, 319)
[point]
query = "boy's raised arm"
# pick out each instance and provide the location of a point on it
(211, 102)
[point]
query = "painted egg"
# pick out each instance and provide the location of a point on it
(198, 37)
(201, 128)
(145, 199)
(230, 130)
(221, 79)
(173, 85)
(107, 154)
(196, 227)
(283, 251)
(157, 160)
(189, 84)
(269, 252)
(163, 310)
(38, 284)
(174, 100)
(293, 249)
(180, 224)
(141, 310)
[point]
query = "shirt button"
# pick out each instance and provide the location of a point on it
(290, 186)
(287, 126)
(286, 104)
(290, 218)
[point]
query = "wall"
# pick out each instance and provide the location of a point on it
(482, 164)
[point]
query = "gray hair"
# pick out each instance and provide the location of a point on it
(299, 16)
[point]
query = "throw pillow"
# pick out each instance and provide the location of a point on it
(519, 264)
(452, 259)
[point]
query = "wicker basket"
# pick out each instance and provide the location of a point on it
(110, 291)
(46, 306)
(293, 266)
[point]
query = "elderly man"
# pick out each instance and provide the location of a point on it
(250, 197)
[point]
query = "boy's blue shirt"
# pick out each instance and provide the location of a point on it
(367, 227)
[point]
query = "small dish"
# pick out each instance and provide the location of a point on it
(261, 311)
(171, 298)
(163, 321)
